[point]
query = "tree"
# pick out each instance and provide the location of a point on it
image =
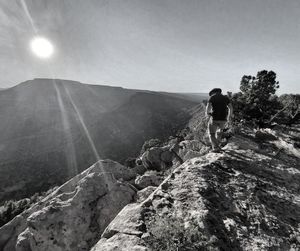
(257, 99)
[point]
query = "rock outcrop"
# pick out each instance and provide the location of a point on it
(245, 198)
(74, 216)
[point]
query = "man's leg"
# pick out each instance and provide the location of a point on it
(219, 133)
(212, 128)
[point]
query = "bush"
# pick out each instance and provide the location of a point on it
(150, 143)
(171, 233)
(12, 208)
(290, 112)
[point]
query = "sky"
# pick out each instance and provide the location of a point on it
(161, 45)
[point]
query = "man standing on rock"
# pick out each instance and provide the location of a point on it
(220, 111)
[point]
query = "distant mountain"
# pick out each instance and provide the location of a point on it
(53, 129)
(194, 97)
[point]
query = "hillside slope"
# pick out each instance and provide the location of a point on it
(53, 129)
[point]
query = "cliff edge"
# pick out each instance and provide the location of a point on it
(244, 198)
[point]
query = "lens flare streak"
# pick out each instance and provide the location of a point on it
(66, 123)
(86, 131)
(70, 150)
(27, 13)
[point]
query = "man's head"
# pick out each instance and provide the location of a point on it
(215, 91)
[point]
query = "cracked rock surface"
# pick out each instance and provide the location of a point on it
(244, 198)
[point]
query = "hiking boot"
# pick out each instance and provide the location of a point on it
(216, 150)
(223, 143)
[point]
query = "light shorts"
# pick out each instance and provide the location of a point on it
(214, 125)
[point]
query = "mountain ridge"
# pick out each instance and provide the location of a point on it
(48, 129)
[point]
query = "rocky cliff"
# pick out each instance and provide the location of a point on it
(244, 198)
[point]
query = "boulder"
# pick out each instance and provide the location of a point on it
(150, 178)
(73, 223)
(73, 216)
(160, 158)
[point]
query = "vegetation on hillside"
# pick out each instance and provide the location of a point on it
(12, 208)
(172, 233)
(257, 101)
(150, 143)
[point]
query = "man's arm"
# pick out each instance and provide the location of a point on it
(208, 109)
(230, 111)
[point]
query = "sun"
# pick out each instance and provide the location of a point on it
(41, 47)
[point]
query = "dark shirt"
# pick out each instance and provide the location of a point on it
(219, 104)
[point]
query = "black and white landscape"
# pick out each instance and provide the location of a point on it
(149, 125)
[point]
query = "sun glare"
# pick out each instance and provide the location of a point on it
(41, 47)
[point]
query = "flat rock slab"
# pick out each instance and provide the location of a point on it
(128, 221)
(120, 242)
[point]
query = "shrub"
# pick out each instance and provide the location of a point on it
(290, 111)
(171, 233)
(150, 143)
(12, 208)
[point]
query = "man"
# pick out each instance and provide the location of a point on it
(220, 111)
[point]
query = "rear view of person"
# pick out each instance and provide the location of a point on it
(220, 110)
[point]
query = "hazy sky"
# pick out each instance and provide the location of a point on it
(167, 45)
